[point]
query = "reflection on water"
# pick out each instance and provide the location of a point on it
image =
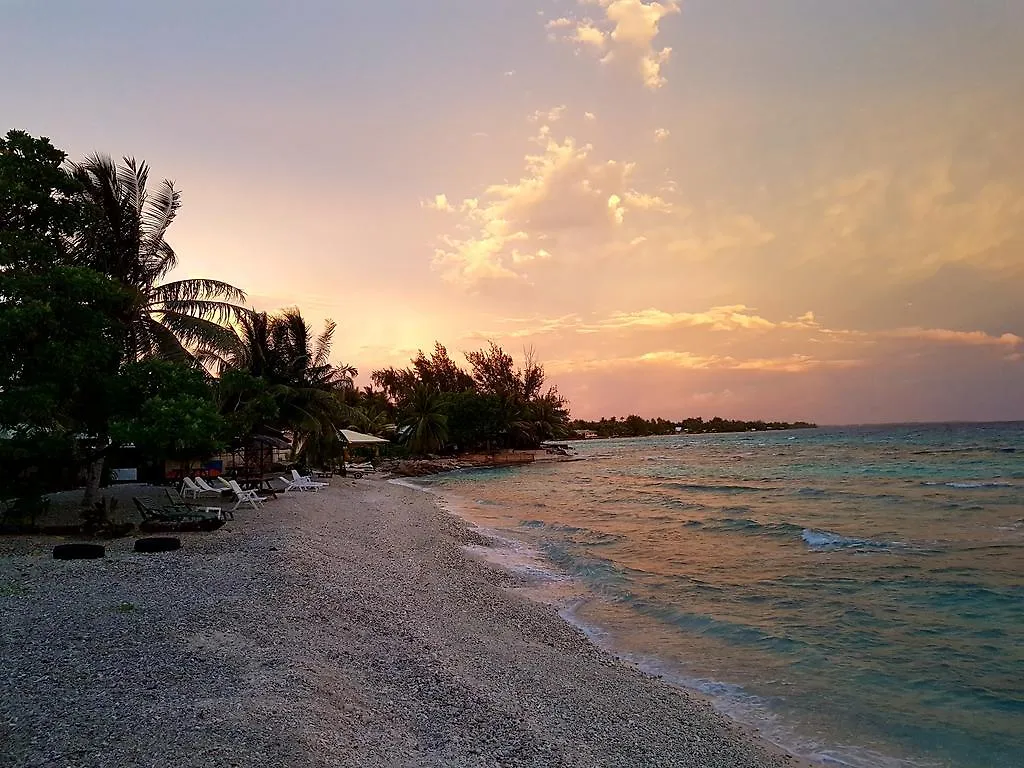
(856, 593)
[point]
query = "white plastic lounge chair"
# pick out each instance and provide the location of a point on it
(189, 489)
(304, 483)
(221, 483)
(244, 497)
(205, 487)
(291, 485)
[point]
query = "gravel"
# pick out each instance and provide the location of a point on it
(343, 628)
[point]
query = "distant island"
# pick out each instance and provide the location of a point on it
(637, 426)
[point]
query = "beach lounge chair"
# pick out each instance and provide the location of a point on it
(178, 501)
(244, 497)
(305, 483)
(291, 485)
(220, 483)
(205, 487)
(190, 490)
(167, 517)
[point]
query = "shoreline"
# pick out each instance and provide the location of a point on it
(542, 582)
(347, 627)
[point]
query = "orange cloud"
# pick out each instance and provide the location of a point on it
(564, 192)
(625, 31)
(683, 360)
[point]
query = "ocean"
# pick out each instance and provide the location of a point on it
(856, 594)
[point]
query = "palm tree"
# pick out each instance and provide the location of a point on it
(302, 381)
(125, 239)
(425, 420)
(549, 417)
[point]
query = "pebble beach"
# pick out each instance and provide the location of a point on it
(344, 628)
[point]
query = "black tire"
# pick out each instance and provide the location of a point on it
(78, 551)
(157, 544)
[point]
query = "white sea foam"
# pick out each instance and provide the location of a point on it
(972, 484)
(828, 540)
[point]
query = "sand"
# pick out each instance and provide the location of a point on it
(344, 628)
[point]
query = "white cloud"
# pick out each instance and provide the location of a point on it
(625, 31)
(660, 134)
(589, 116)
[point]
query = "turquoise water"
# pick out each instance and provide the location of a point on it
(857, 594)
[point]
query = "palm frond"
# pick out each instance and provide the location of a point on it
(165, 344)
(197, 288)
(156, 217)
(323, 344)
(131, 180)
(198, 332)
(213, 360)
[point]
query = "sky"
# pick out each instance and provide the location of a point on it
(795, 209)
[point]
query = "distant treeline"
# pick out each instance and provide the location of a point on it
(636, 426)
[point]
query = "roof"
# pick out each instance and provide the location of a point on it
(358, 438)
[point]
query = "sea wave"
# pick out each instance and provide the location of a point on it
(970, 484)
(716, 488)
(745, 525)
(827, 540)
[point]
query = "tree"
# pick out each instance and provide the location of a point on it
(425, 420)
(474, 419)
(61, 342)
(300, 379)
(168, 411)
(124, 237)
(38, 211)
(440, 371)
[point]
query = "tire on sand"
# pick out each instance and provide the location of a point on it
(78, 551)
(157, 544)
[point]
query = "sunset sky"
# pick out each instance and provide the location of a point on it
(789, 209)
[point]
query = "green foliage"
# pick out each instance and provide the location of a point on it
(300, 386)
(123, 235)
(497, 405)
(58, 329)
(244, 403)
(475, 420)
(38, 212)
(168, 411)
(636, 426)
(425, 419)
(63, 347)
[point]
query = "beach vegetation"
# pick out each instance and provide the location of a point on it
(637, 426)
(167, 411)
(491, 405)
(280, 375)
(424, 419)
(122, 235)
